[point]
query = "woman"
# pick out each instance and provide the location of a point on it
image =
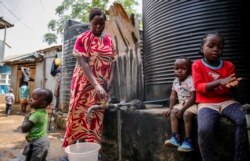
(91, 80)
(24, 88)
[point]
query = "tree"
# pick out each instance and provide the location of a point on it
(79, 10)
(50, 38)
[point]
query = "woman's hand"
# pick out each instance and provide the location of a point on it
(100, 92)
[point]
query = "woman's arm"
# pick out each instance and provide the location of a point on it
(23, 70)
(89, 75)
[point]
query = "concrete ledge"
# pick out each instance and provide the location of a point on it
(144, 132)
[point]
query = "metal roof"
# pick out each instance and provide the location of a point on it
(30, 57)
(56, 47)
(27, 58)
(4, 23)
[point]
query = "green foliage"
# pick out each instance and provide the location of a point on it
(79, 10)
(52, 25)
(50, 38)
(128, 5)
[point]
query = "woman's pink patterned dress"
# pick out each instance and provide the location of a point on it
(101, 55)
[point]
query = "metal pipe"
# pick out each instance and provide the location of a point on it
(116, 107)
(162, 101)
(119, 136)
(94, 107)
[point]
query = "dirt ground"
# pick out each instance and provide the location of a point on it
(12, 141)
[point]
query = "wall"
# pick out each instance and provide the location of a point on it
(39, 74)
(143, 133)
(5, 72)
(14, 81)
(49, 80)
(128, 78)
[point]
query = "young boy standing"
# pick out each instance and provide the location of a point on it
(10, 99)
(36, 124)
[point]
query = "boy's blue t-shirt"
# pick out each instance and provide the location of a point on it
(39, 118)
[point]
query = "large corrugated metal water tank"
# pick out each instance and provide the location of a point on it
(175, 28)
(72, 30)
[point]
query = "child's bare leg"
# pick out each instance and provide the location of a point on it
(187, 117)
(174, 141)
(174, 122)
(186, 145)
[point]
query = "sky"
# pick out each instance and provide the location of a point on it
(30, 19)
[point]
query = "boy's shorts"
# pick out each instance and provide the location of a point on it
(216, 106)
(193, 109)
(37, 149)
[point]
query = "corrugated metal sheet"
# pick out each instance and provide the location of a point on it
(49, 80)
(175, 28)
(72, 30)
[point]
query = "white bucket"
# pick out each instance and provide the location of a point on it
(83, 151)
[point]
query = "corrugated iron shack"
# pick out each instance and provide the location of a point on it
(40, 63)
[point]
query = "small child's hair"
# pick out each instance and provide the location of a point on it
(205, 37)
(10, 90)
(47, 94)
(187, 59)
(96, 12)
